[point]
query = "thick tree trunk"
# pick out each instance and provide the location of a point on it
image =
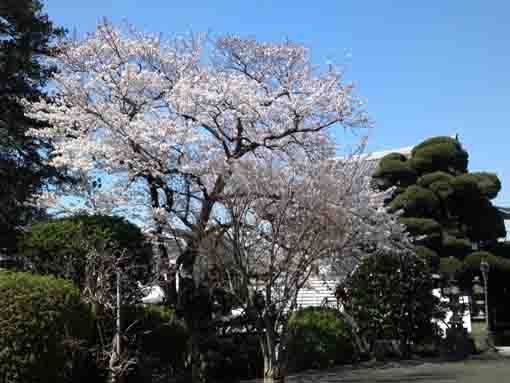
(194, 304)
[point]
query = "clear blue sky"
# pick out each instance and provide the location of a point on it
(426, 67)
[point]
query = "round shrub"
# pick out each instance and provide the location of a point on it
(319, 338)
(57, 247)
(43, 328)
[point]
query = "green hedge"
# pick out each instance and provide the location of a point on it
(319, 338)
(43, 329)
(56, 247)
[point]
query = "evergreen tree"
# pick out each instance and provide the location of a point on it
(449, 211)
(26, 36)
(446, 207)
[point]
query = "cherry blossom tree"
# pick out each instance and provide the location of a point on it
(175, 122)
(289, 224)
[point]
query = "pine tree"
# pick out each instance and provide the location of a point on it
(26, 36)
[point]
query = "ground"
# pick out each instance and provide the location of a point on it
(470, 371)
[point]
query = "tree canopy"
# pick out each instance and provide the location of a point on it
(58, 247)
(26, 37)
(445, 206)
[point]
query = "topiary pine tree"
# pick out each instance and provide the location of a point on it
(26, 37)
(445, 206)
(450, 213)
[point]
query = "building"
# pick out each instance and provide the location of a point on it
(505, 213)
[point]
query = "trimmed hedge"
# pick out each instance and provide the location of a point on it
(43, 328)
(320, 338)
(56, 247)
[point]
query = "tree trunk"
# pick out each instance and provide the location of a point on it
(194, 304)
(274, 361)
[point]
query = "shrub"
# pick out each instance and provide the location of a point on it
(391, 298)
(43, 326)
(56, 247)
(158, 339)
(319, 338)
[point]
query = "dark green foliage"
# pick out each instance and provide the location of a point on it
(320, 338)
(472, 262)
(416, 201)
(488, 183)
(438, 182)
(439, 153)
(44, 329)
(235, 357)
(428, 230)
(58, 247)
(448, 208)
(158, 339)
(456, 247)
(417, 226)
(450, 266)
(25, 40)
(391, 297)
(429, 256)
(395, 170)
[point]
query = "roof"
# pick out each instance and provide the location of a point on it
(374, 156)
(504, 211)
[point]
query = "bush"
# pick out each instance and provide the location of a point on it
(43, 328)
(235, 357)
(158, 339)
(56, 247)
(319, 338)
(391, 298)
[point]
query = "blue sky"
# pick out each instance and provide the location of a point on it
(426, 68)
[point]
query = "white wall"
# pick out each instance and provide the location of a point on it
(466, 319)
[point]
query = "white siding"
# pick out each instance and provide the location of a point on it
(317, 292)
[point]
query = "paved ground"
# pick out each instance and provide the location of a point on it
(471, 371)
